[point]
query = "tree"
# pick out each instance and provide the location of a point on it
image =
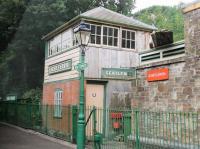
(11, 12)
(164, 17)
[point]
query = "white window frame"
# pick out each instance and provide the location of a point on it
(96, 25)
(118, 29)
(58, 97)
(58, 47)
(123, 29)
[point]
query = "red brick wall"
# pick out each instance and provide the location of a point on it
(70, 92)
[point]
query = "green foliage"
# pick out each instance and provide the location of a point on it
(33, 95)
(11, 12)
(164, 17)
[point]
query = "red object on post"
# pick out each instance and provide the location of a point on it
(116, 125)
(158, 74)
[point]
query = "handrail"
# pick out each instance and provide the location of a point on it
(94, 109)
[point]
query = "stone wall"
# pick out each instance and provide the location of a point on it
(182, 90)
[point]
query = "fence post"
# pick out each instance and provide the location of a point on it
(74, 122)
(94, 126)
(46, 117)
(137, 129)
(16, 113)
(30, 116)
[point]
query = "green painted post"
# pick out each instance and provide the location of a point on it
(16, 114)
(94, 126)
(127, 125)
(46, 116)
(81, 116)
(137, 130)
(30, 116)
(80, 32)
(74, 123)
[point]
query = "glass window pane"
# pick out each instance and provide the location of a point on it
(98, 30)
(92, 38)
(110, 40)
(110, 31)
(92, 29)
(133, 35)
(105, 40)
(132, 44)
(98, 39)
(128, 44)
(116, 33)
(105, 31)
(123, 34)
(87, 25)
(115, 41)
(123, 43)
(128, 35)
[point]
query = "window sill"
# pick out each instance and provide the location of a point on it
(111, 47)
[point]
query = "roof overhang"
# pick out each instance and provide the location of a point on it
(84, 18)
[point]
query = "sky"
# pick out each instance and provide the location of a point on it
(141, 4)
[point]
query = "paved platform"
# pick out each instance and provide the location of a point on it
(13, 138)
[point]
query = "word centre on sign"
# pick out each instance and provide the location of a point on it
(118, 73)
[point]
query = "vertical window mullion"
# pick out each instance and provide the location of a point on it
(101, 43)
(113, 37)
(95, 34)
(107, 35)
(58, 103)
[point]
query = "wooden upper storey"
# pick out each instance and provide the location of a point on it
(108, 29)
(112, 45)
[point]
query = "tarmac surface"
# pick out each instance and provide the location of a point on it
(13, 138)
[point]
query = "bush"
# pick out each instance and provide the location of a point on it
(33, 95)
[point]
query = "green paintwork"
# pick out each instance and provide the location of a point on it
(81, 115)
(149, 129)
(74, 123)
(81, 66)
(60, 67)
(118, 73)
(137, 133)
(127, 125)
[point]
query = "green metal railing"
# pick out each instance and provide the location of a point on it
(110, 128)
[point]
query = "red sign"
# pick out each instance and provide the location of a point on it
(158, 74)
(116, 115)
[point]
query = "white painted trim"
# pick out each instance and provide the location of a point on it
(161, 55)
(130, 39)
(111, 36)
